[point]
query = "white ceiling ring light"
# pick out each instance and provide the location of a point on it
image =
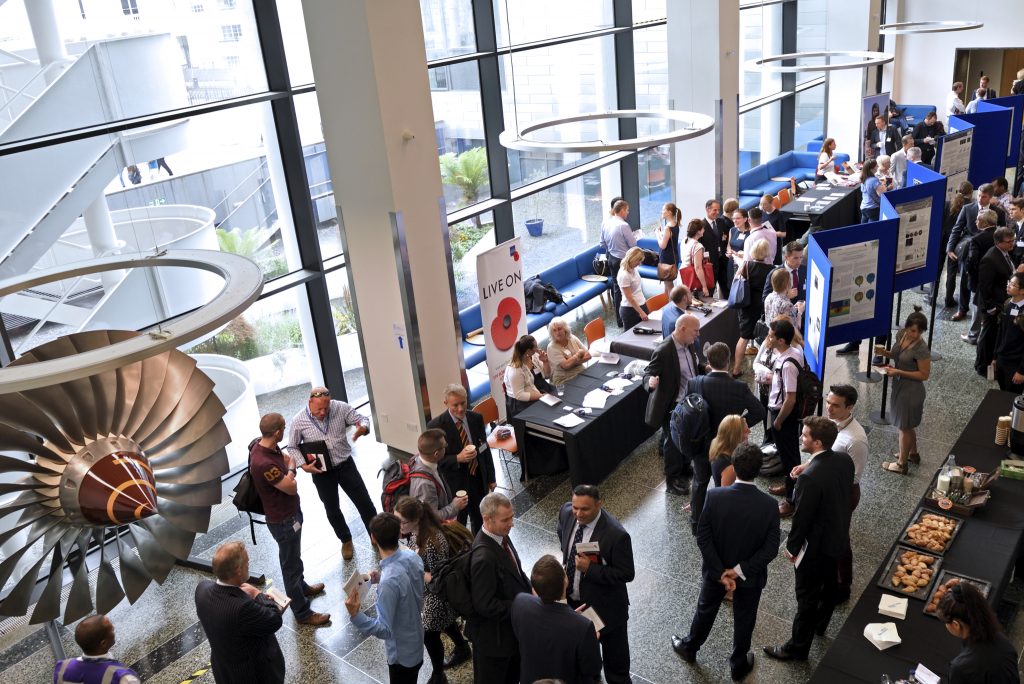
(909, 27)
(689, 125)
(864, 59)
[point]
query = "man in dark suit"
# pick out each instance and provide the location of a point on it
(599, 581)
(738, 536)
(1015, 221)
(965, 227)
(994, 271)
(979, 245)
(716, 241)
(818, 537)
(555, 642)
(467, 464)
(496, 577)
(793, 261)
(884, 139)
(725, 396)
(239, 622)
(672, 366)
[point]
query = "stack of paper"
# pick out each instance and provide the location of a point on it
(596, 398)
(279, 598)
(592, 615)
(925, 676)
(608, 357)
(882, 634)
(893, 606)
(360, 581)
(550, 399)
(569, 420)
(618, 383)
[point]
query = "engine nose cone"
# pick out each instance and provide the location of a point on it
(109, 482)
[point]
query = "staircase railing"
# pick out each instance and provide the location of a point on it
(28, 93)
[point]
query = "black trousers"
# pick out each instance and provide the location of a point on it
(845, 561)
(628, 316)
(1004, 375)
(476, 490)
(787, 444)
(699, 492)
(744, 611)
(817, 580)
(614, 651)
(722, 276)
(986, 349)
(399, 674)
(435, 647)
(613, 269)
(348, 478)
(677, 464)
(495, 669)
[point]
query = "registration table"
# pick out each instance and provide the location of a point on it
(822, 208)
(985, 548)
(721, 325)
(606, 437)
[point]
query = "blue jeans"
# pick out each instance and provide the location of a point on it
(289, 552)
(867, 215)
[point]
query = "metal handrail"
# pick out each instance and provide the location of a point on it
(240, 184)
(6, 107)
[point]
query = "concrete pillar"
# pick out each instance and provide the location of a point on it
(102, 238)
(368, 61)
(849, 28)
(42, 19)
(703, 71)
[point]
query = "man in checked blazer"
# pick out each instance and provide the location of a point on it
(467, 465)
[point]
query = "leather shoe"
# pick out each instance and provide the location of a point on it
(679, 646)
(786, 509)
(777, 490)
(842, 594)
(678, 487)
(969, 339)
(958, 316)
(316, 619)
(848, 349)
(780, 653)
(314, 590)
(949, 304)
(347, 550)
(743, 670)
(458, 656)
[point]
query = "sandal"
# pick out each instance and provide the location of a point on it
(895, 467)
(914, 458)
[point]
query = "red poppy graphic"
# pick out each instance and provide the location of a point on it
(505, 326)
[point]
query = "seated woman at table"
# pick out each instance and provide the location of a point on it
(763, 366)
(566, 353)
(528, 362)
(692, 258)
(731, 433)
(826, 160)
(778, 303)
(634, 304)
(756, 271)
(987, 656)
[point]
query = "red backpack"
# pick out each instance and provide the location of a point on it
(397, 478)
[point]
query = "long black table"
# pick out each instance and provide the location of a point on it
(985, 548)
(607, 436)
(721, 325)
(802, 217)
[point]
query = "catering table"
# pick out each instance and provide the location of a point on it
(830, 206)
(985, 548)
(605, 438)
(721, 325)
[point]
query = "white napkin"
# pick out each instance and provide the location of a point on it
(893, 606)
(883, 635)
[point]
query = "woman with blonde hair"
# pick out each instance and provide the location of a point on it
(732, 432)
(756, 271)
(566, 352)
(777, 303)
(634, 304)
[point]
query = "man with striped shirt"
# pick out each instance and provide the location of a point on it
(327, 420)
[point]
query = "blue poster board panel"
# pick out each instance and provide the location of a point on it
(918, 248)
(918, 174)
(960, 134)
(991, 139)
(863, 268)
(819, 293)
(1016, 103)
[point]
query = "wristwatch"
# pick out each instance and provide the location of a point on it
(291, 470)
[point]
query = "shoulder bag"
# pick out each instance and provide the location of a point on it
(668, 272)
(739, 291)
(689, 274)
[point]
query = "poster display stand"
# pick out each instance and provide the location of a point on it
(991, 140)
(819, 296)
(1015, 103)
(953, 154)
(918, 176)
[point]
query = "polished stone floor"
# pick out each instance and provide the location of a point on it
(161, 637)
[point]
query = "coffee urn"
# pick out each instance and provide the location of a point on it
(1017, 428)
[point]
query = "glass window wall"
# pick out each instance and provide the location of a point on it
(459, 129)
(525, 21)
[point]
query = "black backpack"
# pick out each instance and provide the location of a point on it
(808, 389)
(690, 426)
(246, 499)
(450, 582)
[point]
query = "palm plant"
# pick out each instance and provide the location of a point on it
(467, 172)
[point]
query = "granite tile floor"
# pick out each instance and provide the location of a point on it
(161, 637)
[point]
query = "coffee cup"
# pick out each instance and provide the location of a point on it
(879, 349)
(460, 493)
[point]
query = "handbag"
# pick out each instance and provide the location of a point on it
(761, 330)
(650, 257)
(600, 265)
(739, 291)
(689, 274)
(669, 272)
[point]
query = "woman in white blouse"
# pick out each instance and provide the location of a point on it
(826, 160)
(566, 353)
(520, 385)
(634, 304)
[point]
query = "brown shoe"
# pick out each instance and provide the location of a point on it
(958, 316)
(347, 550)
(786, 509)
(316, 619)
(314, 590)
(777, 490)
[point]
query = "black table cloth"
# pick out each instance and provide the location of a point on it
(837, 213)
(721, 325)
(985, 548)
(606, 437)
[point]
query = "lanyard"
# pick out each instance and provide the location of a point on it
(326, 425)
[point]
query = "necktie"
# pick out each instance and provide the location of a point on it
(465, 442)
(796, 279)
(508, 547)
(1009, 262)
(570, 565)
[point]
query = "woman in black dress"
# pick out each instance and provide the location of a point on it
(668, 241)
(737, 240)
(756, 270)
(987, 656)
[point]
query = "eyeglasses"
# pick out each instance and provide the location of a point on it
(317, 395)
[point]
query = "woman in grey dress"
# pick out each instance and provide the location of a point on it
(911, 365)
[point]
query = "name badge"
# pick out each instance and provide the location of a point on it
(297, 526)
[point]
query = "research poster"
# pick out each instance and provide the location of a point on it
(956, 159)
(912, 240)
(815, 294)
(854, 278)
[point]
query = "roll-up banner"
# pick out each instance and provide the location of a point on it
(499, 273)
(819, 298)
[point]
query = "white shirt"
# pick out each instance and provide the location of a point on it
(788, 376)
(899, 168)
(954, 105)
(587, 531)
(853, 440)
(631, 282)
(519, 382)
(766, 233)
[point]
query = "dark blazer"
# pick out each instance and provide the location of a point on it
(993, 273)
(801, 292)
(822, 517)
(982, 241)
(739, 525)
(665, 365)
(457, 474)
(716, 235)
(891, 136)
(725, 397)
(604, 585)
(965, 223)
(243, 648)
(555, 642)
(495, 579)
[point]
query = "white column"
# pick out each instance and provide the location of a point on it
(102, 238)
(703, 68)
(369, 62)
(849, 28)
(42, 19)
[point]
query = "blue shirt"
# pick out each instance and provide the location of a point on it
(687, 368)
(399, 602)
(617, 237)
(869, 193)
(668, 319)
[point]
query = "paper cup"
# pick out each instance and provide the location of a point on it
(461, 492)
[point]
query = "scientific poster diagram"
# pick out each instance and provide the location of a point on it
(854, 279)
(955, 157)
(912, 240)
(815, 309)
